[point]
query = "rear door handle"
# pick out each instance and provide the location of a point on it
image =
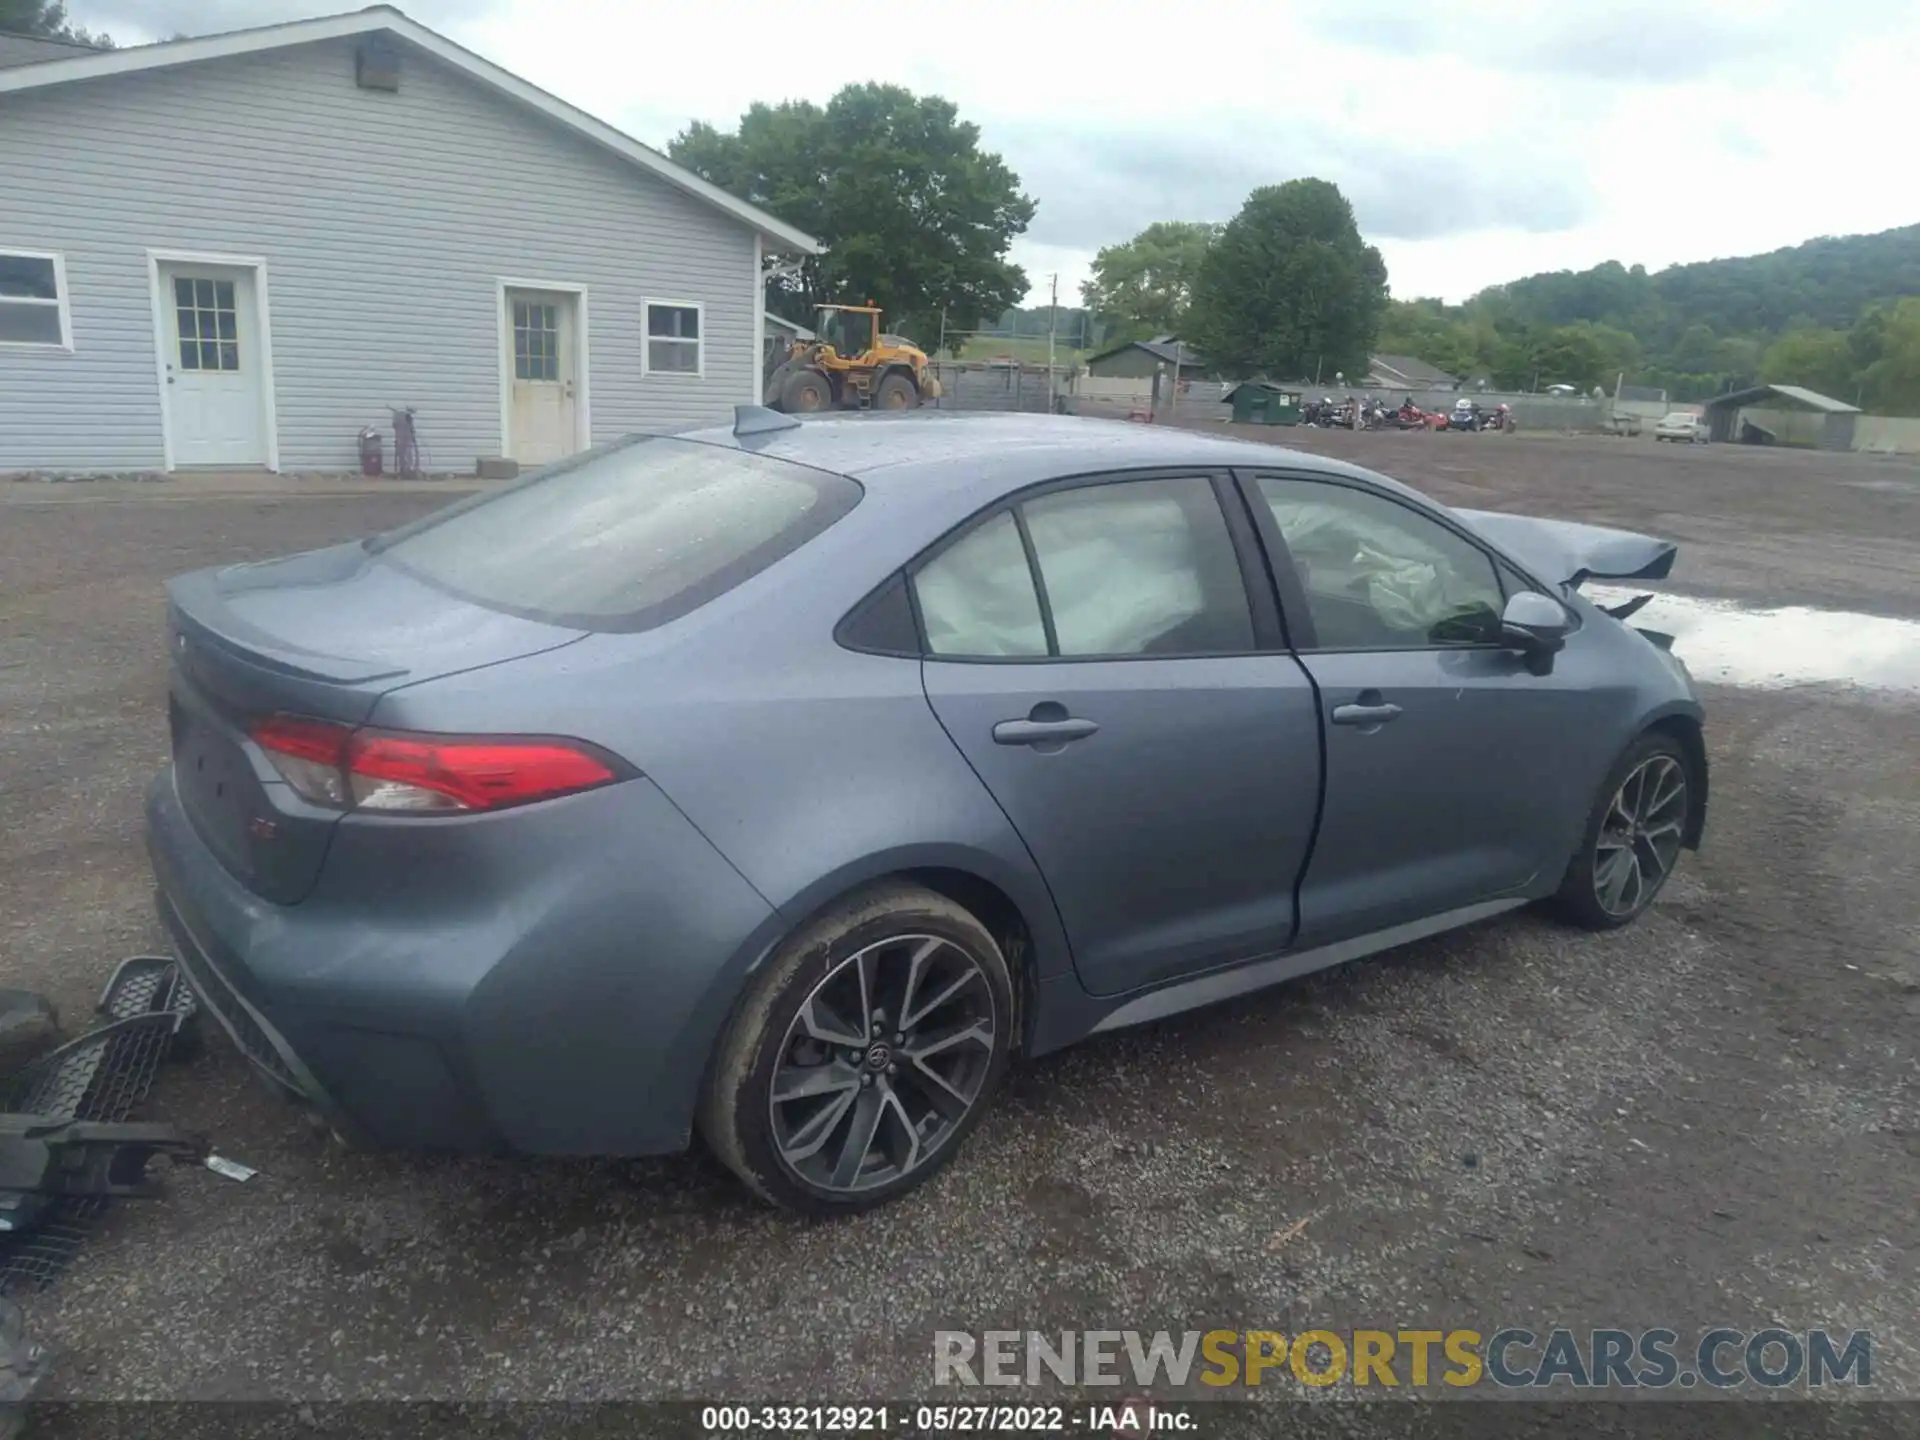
(1364, 714)
(1042, 732)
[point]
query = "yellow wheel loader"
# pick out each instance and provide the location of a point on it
(850, 365)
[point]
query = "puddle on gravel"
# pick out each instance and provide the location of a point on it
(1725, 643)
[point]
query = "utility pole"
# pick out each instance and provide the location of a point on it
(1053, 322)
(1173, 405)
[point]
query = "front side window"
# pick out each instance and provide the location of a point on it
(33, 295)
(1379, 575)
(624, 537)
(673, 338)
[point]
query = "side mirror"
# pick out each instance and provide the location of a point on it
(1534, 624)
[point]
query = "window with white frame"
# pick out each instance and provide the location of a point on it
(33, 300)
(673, 338)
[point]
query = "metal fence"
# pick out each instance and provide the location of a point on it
(1013, 386)
(997, 385)
(1196, 404)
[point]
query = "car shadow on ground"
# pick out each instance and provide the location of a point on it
(1272, 1039)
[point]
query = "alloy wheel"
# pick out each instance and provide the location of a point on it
(1640, 835)
(883, 1061)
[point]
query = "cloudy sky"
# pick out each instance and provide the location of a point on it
(1479, 141)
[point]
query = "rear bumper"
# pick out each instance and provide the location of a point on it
(419, 1002)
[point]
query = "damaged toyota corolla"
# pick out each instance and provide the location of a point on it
(780, 783)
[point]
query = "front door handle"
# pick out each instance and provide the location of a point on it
(1364, 715)
(1042, 732)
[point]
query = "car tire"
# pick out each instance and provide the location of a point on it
(1632, 838)
(892, 944)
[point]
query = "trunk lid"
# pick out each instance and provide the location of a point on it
(324, 634)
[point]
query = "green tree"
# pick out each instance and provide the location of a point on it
(914, 214)
(1868, 338)
(1289, 288)
(46, 20)
(1738, 359)
(1816, 358)
(1892, 382)
(1564, 355)
(1432, 331)
(1145, 286)
(1694, 350)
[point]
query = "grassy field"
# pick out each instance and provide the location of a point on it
(1030, 349)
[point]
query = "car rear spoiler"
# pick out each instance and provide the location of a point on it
(1568, 552)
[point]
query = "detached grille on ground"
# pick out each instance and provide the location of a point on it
(101, 1075)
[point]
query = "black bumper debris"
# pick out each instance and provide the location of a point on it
(94, 1080)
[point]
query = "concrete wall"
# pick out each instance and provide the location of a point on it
(1650, 412)
(1886, 434)
(1197, 404)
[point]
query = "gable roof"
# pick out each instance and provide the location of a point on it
(1411, 369)
(793, 328)
(1165, 349)
(17, 49)
(377, 18)
(1812, 399)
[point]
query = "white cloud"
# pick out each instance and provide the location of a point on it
(1479, 143)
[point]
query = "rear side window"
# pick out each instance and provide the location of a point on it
(1125, 568)
(977, 596)
(626, 537)
(1141, 567)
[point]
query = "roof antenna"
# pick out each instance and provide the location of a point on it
(759, 420)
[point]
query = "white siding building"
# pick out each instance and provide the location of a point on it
(239, 250)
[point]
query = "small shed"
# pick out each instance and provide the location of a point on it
(1782, 415)
(1142, 359)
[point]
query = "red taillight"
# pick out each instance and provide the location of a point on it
(401, 772)
(422, 774)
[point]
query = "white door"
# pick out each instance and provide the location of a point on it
(216, 408)
(543, 416)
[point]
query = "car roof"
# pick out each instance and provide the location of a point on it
(992, 454)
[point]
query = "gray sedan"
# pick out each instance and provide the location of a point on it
(781, 783)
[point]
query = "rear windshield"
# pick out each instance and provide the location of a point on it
(625, 537)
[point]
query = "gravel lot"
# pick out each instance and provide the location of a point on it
(1711, 1119)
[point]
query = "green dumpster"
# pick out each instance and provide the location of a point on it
(1250, 404)
(1258, 403)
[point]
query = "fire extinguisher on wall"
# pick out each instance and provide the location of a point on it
(371, 452)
